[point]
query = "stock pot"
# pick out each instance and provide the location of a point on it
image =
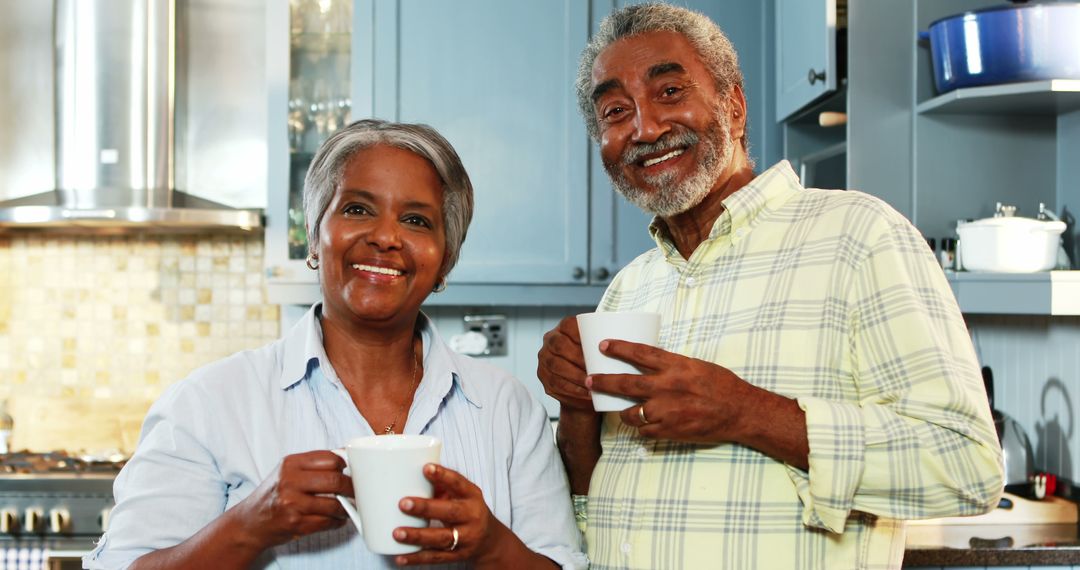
(1010, 244)
(1006, 44)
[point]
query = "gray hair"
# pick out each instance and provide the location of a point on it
(712, 45)
(328, 167)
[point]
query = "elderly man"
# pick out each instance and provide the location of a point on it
(816, 384)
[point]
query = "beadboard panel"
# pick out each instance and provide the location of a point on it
(1036, 364)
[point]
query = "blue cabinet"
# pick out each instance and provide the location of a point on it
(496, 78)
(806, 47)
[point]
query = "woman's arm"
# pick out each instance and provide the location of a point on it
(286, 506)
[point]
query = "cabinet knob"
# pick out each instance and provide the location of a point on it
(602, 274)
(59, 521)
(579, 273)
(103, 518)
(32, 521)
(814, 76)
(9, 520)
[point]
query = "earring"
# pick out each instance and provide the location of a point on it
(440, 286)
(312, 262)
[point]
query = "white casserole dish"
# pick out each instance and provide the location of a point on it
(1009, 244)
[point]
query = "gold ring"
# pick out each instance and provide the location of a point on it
(641, 414)
(454, 532)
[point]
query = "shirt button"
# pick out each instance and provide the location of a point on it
(641, 451)
(690, 281)
(625, 548)
(740, 232)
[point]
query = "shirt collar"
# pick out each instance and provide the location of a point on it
(304, 352)
(742, 208)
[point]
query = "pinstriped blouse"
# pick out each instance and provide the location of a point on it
(213, 437)
(831, 298)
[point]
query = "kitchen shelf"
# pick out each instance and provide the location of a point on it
(1049, 97)
(464, 294)
(1045, 293)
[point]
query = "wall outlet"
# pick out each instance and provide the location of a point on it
(493, 327)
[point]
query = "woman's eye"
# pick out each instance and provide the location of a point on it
(418, 221)
(355, 210)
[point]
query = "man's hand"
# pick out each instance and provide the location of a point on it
(561, 366)
(686, 399)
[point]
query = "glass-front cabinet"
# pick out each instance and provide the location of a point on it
(310, 68)
(496, 79)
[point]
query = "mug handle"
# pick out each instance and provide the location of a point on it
(351, 510)
(347, 503)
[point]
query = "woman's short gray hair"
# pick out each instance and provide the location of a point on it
(328, 167)
(712, 45)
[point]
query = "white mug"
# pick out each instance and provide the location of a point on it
(639, 327)
(384, 470)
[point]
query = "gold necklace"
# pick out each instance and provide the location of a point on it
(389, 429)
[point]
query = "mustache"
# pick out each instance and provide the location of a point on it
(664, 144)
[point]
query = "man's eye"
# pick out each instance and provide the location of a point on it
(671, 91)
(355, 210)
(613, 112)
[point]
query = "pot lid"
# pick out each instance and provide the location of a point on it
(1016, 222)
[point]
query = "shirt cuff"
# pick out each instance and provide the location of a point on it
(834, 431)
(581, 511)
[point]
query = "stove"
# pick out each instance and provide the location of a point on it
(53, 506)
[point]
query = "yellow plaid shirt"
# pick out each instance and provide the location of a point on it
(831, 298)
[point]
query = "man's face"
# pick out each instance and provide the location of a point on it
(665, 131)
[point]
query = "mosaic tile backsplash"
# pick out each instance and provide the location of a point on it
(119, 318)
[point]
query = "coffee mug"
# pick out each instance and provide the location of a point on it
(384, 470)
(639, 327)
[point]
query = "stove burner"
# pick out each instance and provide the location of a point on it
(24, 462)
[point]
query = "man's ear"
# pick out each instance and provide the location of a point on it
(736, 109)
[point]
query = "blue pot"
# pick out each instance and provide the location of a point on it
(1006, 44)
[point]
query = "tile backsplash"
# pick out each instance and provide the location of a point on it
(122, 317)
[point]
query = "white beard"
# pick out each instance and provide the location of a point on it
(671, 198)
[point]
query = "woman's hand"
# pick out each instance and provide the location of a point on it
(295, 500)
(459, 505)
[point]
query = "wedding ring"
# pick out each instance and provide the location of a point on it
(641, 414)
(453, 531)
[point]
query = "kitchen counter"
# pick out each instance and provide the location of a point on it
(992, 545)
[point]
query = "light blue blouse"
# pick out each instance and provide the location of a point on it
(213, 437)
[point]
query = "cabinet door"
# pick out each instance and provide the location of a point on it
(805, 53)
(496, 78)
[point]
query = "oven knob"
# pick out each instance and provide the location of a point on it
(103, 518)
(9, 521)
(59, 521)
(32, 520)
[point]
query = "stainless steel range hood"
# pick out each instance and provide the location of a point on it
(115, 109)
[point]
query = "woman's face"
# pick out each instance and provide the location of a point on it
(382, 242)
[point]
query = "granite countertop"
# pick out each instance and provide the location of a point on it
(992, 545)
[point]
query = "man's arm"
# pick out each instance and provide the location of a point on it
(686, 399)
(561, 369)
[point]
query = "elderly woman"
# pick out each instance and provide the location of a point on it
(233, 467)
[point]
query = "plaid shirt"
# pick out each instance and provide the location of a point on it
(831, 298)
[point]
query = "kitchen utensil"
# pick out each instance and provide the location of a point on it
(1010, 244)
(384, 470)
(1017, 455)
(1006, 44)
(637, 327)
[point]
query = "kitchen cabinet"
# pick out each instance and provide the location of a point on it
(810, 50)
(495, 78)
(939, 158)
